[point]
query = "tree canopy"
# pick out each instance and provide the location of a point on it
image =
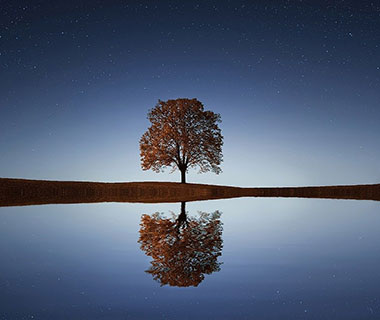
(182, 135)
(183, 250)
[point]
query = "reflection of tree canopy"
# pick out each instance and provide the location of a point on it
(183, 250)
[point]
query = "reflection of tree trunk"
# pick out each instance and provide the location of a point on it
(183, 208)
(182, 218)
(183, 175)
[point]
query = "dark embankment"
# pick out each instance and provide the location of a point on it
(18, 192)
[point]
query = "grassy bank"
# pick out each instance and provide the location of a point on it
(14, 192)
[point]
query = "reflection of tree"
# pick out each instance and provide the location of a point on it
(184, 249)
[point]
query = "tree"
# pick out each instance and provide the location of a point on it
(183, 249)
(182, 135)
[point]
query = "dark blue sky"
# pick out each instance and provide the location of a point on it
(297, 84)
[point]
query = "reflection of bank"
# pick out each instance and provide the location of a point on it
(183, 249)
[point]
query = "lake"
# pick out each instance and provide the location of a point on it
(272, 259)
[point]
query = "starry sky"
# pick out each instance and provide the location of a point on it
(297, 84)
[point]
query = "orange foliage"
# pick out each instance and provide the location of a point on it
(183, 250)
(182, 135)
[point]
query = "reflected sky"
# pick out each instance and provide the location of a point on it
(282, 258)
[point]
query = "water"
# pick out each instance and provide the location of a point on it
(281, 259)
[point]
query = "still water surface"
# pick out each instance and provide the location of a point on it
(280, 259)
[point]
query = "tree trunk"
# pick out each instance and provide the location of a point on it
(183, 175)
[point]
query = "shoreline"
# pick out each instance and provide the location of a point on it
(23, 192)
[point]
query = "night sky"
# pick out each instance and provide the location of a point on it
(297, 84)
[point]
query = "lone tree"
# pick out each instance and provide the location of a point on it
(182, 135)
